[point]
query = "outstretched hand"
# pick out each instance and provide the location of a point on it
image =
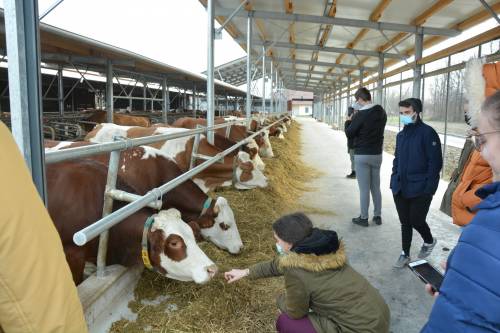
(235, 274)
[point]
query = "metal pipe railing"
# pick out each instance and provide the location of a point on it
(80, 152)
(85, 235)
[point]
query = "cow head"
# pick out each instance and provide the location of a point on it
(219, 226)
(253, 150)
(173, 250)
(247, 176)
(265, 149)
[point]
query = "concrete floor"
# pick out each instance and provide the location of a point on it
(372, 251)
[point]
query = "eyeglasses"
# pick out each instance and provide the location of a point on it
(478, 138)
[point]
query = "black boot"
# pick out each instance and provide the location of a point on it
(352, 175)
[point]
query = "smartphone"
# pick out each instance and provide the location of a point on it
(427, 273)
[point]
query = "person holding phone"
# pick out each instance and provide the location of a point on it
(469, 297)
(367, 131)
(323, 293)
(415, 177)
(351, 112)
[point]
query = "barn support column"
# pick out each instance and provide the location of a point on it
(417, 71)
(195, 101)
(380, 79)
(227, 105)
(248, 105)
(210, 69)
(263, 79)
(361, 73)
(272, 88)
(23, 48)
(348, 100)
(144, 94)
(60, 90)
(166, 101)
(109, 92)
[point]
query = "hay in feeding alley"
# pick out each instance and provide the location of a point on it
(244, 306)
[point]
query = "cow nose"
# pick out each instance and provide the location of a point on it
(212, 270)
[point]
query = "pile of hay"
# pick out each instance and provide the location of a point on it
(244, 306)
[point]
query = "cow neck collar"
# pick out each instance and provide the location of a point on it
(206, 205)
(144, 244)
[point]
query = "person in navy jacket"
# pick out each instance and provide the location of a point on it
(415, 177)
(469, 297)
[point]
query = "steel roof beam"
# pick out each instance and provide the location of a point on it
(327, 49)
(327, 64)
(291, 70)
(266, 15)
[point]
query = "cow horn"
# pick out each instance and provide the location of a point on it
(216, 209)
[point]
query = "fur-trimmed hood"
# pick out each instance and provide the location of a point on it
(314, 263)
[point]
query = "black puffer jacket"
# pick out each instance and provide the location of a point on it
(367, 130)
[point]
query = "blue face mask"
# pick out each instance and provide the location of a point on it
(406, 119)
(280, 250)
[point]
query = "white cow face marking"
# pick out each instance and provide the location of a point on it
(224, 232)
(179, 254)
(257, 161)
(266, 150)
(244, 180)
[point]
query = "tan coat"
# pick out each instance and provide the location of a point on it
(37, 294)
(329, 291)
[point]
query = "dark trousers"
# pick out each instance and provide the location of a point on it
(412, 214)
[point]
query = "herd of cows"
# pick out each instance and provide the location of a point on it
(76, 195)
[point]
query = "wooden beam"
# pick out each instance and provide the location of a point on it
(469, 22)
(467, 44)
(418, 20)
(332, 11)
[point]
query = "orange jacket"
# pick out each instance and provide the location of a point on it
(491, 74)
(476, 173)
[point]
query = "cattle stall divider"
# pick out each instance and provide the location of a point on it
(152, 198)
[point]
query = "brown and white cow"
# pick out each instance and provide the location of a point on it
(99, 116)
(214, 219)
(236, 168)
(76, 196)
(236, 133)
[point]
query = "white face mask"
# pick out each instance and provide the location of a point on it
(280, 250)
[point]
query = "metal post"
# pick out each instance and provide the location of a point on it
(380, 82)
(152, 101)
(446, 117)
(109, 92)
(60, 90)
(400, 89)
(114, 161)
(23, 48)
(423, 91)
(166, 103)
(361, 73)
(184, 100)
(144, 93)
(263, 79)
(195, 104)
(417, 71)
(248, 107)
(227, 105)
(348, 90)
(210, 70)
(272, 88)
